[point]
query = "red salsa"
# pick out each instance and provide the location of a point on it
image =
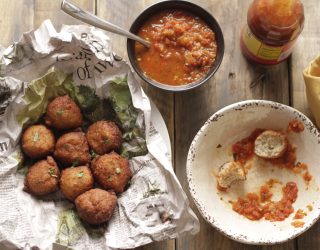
(295, 126)
(243, 150)
(249, 207)
(255, 207)
(287, 160)
(265, 193)
(183, 48)
(278, 211)
(302, 168)
(300, 214)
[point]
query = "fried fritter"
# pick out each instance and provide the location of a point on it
(96, 206)
(72, 149)
(42, 177)
(230, 172)
(104, 137)
(75, 181)
(37, 141)
(111, 171)
(63, 113)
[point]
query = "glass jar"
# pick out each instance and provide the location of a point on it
(272, 28)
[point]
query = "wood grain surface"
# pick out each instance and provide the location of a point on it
(123, 15)
(230, 84)
(16, 17)
(306, 49)
(184, 113)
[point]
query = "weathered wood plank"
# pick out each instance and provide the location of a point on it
(51, 10)
(16, 17)
(230, 84)
(123, 13)
(306, 49)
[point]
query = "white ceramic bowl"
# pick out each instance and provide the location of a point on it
(211, 148)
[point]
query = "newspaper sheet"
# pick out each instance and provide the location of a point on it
(34, 70)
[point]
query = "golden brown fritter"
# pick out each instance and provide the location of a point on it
(72, 149)
(37, 141)
(42, 177)
(75, 181)
(96, 206)
(111, 171)
(104, 136)
(63, 113)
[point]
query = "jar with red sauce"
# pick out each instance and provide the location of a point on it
(272, 29)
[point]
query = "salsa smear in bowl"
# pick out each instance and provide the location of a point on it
(186, 45)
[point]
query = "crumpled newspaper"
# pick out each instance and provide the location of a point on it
(311, 76)
(79, 61)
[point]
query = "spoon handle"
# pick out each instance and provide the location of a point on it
(93, 20)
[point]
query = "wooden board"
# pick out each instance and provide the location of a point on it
(230, 84)
(306, 49)
(51, 10)
(184, 113)
(16, 17)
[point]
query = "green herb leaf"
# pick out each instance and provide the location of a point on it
(52, 173)
(76, 162)
(102, 111)
(66, 146)
(153, 189)
(80, 174)
(93, 154)
(106, 141)
(60, 112)
(127, 116)
(86, 97)
(36, 136)
(110, 178)
(118, 170)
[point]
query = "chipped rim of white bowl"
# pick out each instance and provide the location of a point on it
(191, 153)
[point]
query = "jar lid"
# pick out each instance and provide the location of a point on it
(276, 22)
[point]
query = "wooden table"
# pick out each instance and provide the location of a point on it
(184, 113)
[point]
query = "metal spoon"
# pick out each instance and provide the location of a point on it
(91, 19)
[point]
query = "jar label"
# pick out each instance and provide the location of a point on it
(262, 52)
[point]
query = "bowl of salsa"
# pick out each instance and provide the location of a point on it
(187, 45)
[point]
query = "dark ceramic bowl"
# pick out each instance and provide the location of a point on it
(182, 5)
